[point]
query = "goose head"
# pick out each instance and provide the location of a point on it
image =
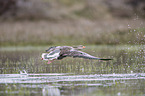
(43, 56)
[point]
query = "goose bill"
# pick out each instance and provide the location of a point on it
(84, 47)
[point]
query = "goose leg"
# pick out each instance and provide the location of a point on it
(49, 61)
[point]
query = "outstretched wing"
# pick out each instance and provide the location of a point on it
(80, 54)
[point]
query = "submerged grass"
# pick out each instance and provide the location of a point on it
(125, 87)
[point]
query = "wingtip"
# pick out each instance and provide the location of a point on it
(106, 59)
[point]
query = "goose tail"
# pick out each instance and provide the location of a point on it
(104, 59)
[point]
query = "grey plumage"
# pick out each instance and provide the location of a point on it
(68, 51)
(79, 54)
(50, 49)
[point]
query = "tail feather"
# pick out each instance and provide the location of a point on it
(105, 59)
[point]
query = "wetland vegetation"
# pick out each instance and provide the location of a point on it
(23, 72)
(109, 29)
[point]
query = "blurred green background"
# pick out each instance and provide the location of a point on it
(71, 22)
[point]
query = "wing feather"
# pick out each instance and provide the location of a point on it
(80, 54)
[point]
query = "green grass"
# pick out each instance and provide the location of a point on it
(126, 59)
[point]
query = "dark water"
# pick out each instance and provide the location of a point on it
(23, 73)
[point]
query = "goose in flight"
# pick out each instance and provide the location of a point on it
(60, 52)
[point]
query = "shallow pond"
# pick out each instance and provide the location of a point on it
(23, 73)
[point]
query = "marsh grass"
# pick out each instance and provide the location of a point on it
(125, 60)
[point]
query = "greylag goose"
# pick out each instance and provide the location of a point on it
(60, 52)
